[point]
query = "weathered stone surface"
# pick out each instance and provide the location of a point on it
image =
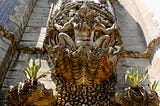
(36, 28)
(4, 45)
(19, 19)
(15, 16)
(43, 8)
(31, 44)
(43, 4)
(31, 29)
(33, 37)
(83, 53)
(131, 32)
(2, 53)
(28, 94)
(150, 16)
(7, 40)
(7, 57)
(37, 22)
(137, 97)
(39, 15)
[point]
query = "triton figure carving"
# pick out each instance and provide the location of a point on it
(83, 42)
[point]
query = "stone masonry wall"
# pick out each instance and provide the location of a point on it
(150, 14)
(146, 14)
(14, 16)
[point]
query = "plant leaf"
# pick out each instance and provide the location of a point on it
(154, 85)
(143, 77)
(37, 68)
(28, 72)
(43, 75)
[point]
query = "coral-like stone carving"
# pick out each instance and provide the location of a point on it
(26, 94)
(78, 95)
(137, 97)
(83, 42)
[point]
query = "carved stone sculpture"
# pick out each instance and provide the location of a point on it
(137, 97)
(83, 42)
(26, 94)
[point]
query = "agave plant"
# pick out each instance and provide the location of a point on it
(31, 71)
(134, 78)
(135, 95)
(154, 85)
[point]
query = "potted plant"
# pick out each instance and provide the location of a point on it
(134, 78)
(31, 91)
(153, 99)
(135, 91)
(31, 72)
(134, 95)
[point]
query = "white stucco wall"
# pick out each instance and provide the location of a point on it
(150, 14)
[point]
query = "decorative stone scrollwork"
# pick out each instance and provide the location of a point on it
(83, 42)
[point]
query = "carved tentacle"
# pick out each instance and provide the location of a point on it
(90, 48)
(102, 42)
(64, 39)
(75, 65)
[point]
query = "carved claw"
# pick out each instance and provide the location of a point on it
(95, 54)
(58, 27)
(118, 49)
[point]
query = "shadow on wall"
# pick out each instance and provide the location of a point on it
(130, 30)
(133, 39)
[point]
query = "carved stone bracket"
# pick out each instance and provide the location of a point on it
(83, 42)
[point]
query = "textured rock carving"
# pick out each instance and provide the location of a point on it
(83, 42)
(26, 94)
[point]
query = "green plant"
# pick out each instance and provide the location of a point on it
(31, 71)
(134, 78)
(154, 85)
